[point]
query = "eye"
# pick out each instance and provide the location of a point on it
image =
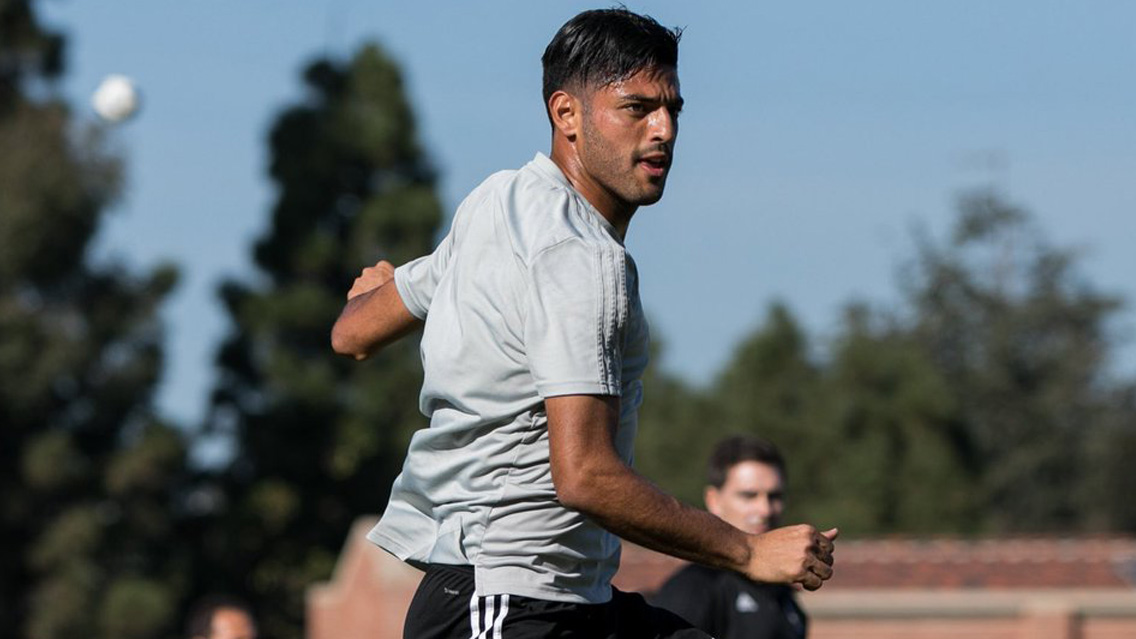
(637, 108)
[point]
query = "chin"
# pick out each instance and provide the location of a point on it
(649, 198)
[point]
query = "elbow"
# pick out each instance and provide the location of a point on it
(589, 485)
(572, 498)
(344, 344)
(575, 491)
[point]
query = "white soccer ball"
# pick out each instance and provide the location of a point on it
(116, 98)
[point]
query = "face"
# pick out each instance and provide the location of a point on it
(627, 136)
(231, 623)
(752, 498)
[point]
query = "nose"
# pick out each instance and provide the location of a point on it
(663, 126)
(763, 506)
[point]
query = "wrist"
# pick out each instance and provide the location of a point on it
(741, 551)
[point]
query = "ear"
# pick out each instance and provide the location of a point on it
(711, 496)
(565, 111)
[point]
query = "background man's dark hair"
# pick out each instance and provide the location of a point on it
(602, 46)
(734, 450)
(200, 620)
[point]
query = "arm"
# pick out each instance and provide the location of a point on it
(374, 315)
(590, 477)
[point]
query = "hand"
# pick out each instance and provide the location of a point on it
(371, 278)
(792, 555)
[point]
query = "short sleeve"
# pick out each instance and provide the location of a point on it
(577, 308)
(418, 279)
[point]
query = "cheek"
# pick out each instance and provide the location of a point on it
(616, 131)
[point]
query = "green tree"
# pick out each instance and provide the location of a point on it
(774, 388)
(865, 430)
(983, 403)
(884, 461)
(1022, 342)
(770, 386)
(88, 473)
(1111, 476)
(676, 431)
(319, 439)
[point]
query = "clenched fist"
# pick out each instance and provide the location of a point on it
(792, 555)
(371, 278)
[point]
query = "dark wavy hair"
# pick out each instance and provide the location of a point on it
(602, 46)
(734, 450)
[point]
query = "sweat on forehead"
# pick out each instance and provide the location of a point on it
(600, 47)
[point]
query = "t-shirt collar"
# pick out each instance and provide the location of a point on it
(544, 164)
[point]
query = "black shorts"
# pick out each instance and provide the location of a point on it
(444, 607)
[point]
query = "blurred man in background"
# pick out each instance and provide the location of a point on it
(221, 617)
(746, 488)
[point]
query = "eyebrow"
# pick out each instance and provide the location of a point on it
(773, 494)
(636, 97)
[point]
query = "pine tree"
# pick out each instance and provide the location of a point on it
(318, 439)
(88, 473)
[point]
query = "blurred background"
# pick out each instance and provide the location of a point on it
(896, 241)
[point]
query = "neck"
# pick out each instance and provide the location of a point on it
(617, 212)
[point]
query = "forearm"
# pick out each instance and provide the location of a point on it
(627, 504)
(591, 477)
(370, 321)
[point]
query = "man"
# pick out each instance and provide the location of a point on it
(221, 617)
(533, 345)
(746, 488)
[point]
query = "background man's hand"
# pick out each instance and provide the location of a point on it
(371, 278)
(792, 555)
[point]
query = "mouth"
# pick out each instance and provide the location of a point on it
(757, 527)
(655, 164)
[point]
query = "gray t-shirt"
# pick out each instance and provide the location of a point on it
(530, 295)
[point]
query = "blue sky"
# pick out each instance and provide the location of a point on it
(816, 136)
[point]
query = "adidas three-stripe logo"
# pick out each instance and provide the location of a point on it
(487, 615)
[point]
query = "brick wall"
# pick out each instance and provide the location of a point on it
(1031, 588)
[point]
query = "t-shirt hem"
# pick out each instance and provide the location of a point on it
(487, 586)
(392, 546)
(405, 295)
(576, 388)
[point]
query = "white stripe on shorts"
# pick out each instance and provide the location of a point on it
(501, 617)
(489, 608)
(496, 607)
(475, 616)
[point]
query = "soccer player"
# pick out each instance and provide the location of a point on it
(533, 346)
(746, 488)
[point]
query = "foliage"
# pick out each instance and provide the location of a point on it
(983, 404)
(88, 474)
(318, 440)
(676, 431)
(884, 451)
(1022, 343)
